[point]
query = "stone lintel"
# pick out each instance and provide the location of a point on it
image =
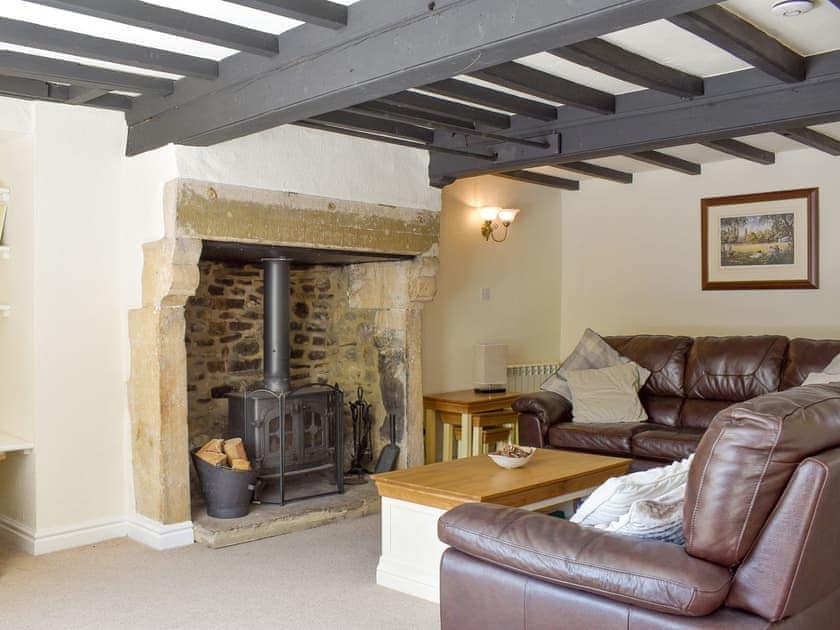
(236, 213)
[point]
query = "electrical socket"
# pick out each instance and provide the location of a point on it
(485, 294)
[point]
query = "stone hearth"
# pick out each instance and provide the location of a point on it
(379, 301)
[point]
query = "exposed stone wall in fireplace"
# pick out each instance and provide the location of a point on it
(331, 342)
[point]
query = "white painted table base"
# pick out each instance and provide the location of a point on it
(411, 551)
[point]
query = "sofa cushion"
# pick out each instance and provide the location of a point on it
(614, 498)
(664, 410)
(606, 394)
(744, 462)
(805, 356)
(664, 356)
(734, 368)
(698, 414)
(612, 438)
(666, 444)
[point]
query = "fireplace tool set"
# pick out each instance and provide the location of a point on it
(362, 453)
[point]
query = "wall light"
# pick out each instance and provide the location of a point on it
(494, 219)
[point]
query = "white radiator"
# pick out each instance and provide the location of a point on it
(527, 378)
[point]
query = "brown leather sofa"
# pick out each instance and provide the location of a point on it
(691, 380)
(762, 542)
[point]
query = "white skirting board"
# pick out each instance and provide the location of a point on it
(137, 527)
(159, 536)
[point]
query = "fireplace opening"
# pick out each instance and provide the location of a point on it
(295, 436)
(273, 341)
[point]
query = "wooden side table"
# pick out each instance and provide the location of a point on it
(466, 403)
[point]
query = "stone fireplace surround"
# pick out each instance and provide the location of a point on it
(391, 294)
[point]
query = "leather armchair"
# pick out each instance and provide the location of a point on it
(761, 517)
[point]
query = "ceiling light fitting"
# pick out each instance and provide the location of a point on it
(791, 8)
(494, 219)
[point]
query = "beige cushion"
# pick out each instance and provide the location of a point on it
(821, 378)
(607, 394)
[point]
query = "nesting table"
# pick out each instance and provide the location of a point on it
(413, 499)
(467, 403)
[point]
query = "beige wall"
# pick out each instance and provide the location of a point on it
(631, 255)
(522, 274)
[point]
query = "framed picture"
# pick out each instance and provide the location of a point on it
(761, 241)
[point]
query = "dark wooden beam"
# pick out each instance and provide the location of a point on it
(836, 3)
(657, 158)
(379, 110)
(541, 180)
(813, 139)
(419, 117)
(356, 133)
(737, 36)
(377, 125)
(595, 170)
(543, 85)
(430, 104)
(386, 48)
(36, 67)
(80, 95)
(33, 89)
(44, 38)
(608, 58)
(735, 104)
(480, 95)
(320, 12)
(173, 22)
(741, 150)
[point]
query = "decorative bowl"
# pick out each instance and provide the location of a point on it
(513, 462)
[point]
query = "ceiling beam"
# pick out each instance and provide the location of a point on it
(541, 179)
(387, 47)
(47, 69)
(735, 104)
(56, 40)
(173, 22)
(319, 12)
(80, 95)
(419, 117)
(595, 170)
(813, 139)
(479, 95)
(742, 150)
(432, 105)
(836, 3)
(378, 110)
(356, 133)
(33, 89)
(608, 58)
(657, 158)
(737, 36)
(543, 85)
(354, 120)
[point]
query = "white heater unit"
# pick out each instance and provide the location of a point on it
(490, 373)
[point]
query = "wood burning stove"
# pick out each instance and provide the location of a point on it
(295, 437)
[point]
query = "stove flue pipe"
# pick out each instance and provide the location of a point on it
(276, 324)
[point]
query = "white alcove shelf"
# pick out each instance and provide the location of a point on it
(12, 444)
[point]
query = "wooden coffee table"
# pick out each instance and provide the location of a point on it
(413, 500)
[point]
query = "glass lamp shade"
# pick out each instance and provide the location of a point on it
(489, 213)
(507, 215)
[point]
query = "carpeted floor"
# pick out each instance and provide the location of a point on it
(321, 578)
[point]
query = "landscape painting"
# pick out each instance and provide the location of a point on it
(760, 239)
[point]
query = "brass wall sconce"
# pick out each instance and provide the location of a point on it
(494, 219)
